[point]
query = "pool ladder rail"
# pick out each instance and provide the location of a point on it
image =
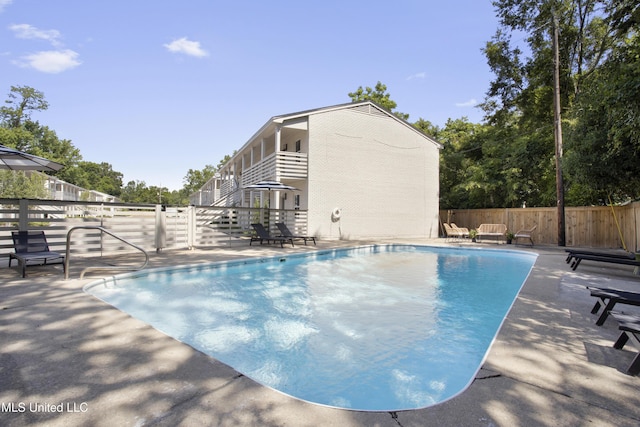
(99, 268)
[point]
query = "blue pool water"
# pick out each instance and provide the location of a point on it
(374, 328)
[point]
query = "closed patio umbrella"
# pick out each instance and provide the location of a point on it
(11, 159)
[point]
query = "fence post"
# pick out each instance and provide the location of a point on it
(161, 227)
(23, 218)
(191, 226)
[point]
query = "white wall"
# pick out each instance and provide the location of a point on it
(383, 175)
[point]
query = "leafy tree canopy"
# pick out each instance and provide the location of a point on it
(379, 95)
(598, 86)
(95, 176)
(22, 100)
(17, 185)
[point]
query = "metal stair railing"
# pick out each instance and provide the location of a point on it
(96, 268)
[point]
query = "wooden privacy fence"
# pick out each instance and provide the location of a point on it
(151, 227)
(591, 226)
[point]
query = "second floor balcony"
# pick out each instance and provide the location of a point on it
(280, 165)
(224, 189)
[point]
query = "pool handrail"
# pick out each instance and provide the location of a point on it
(112, 267)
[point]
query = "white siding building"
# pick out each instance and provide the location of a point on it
(380, 173)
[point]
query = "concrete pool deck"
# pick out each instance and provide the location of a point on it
(68, 359)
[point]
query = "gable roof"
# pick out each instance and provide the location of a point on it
(370, 106)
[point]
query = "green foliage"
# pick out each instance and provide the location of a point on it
(18, 131)
(380, 96)
(16, 138)
(138, 192)
(22, 100)
(17, 185)
(99, 177)
(599, 101)
(427, 127)
(604, 144)
(45, 143)
(195, 179)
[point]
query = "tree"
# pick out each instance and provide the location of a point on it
(96, 176)
(195, 179)
(17, 185)
(138, 192)
(18, 131)
(379, 96)
(22, 100)
(427, 127)
(624, 16)
(460, 153)
(520, 99)
(44, 142)
(604, 145)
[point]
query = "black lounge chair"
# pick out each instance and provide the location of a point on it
(630, 327)
(32, 247)
(608, 298)
(285, 232)
(262, 234)
(577, 258)
(572, 253)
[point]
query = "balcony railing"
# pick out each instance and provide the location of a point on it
(280, 165)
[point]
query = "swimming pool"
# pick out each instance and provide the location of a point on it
(376, 328)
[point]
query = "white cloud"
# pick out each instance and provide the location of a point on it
(4, 3)
(50, 61)
(188, 47)
(26, 31)
(420, 75)
(470, 103)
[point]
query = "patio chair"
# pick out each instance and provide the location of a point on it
(630, 327)
(285, 232)
(578, 258)
(525, 234)
(464, 232)
(608, 298)
(32, 247)
(262, 234)
(452, 233)
(572, 253)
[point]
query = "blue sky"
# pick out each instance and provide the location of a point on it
(156, 88)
